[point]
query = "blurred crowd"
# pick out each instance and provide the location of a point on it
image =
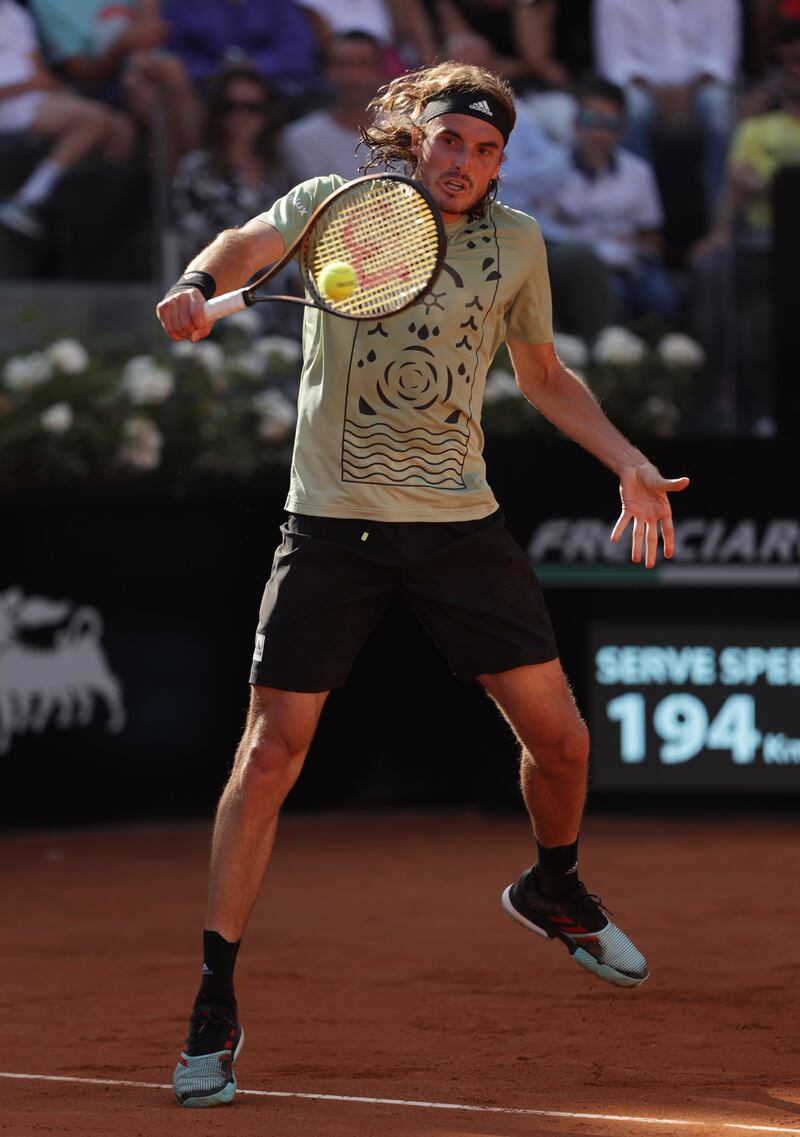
(650, 138)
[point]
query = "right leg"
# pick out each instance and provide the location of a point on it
(78, 127)
(278, 732)
(324, 594)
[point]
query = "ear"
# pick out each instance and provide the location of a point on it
(416, 141)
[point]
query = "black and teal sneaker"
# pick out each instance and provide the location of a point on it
(204, 1075)
(578, 920)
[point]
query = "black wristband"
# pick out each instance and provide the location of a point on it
(203, 281)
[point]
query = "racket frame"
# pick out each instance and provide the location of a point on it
(241, 298)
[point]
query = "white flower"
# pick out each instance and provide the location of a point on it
(211, 355)
(618, 345)
(501, 385)
(250, 362)
(207, 352)
(286, 349)
(677, 350)
(145, 381)
(142, 442)
(183, 349)
(58, 418)
(246, 321)
(277, 415)
(68, 356)
(571, 350)
(23, 372)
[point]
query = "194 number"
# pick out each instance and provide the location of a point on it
(682, 723)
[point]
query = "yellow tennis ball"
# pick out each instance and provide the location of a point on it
(337, 280)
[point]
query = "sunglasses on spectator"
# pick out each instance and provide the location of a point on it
(249, 107)
(596, 118)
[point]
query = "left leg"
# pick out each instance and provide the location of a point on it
(549, 898)
(538, 705)
(475, 591)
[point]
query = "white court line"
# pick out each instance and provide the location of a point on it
(555, 1113)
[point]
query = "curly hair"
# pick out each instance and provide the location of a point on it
(398, 105)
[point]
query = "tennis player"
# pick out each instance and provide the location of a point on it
(388, 494)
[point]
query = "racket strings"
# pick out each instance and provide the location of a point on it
(388, 233)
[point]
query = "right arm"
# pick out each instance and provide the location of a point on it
(231, 258)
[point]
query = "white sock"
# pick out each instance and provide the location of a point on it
(40, 184)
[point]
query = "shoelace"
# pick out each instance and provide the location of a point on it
(592, 899)
(208, 1030)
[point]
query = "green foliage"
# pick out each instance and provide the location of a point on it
(75, 413)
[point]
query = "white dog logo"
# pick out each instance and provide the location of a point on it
(52, 667)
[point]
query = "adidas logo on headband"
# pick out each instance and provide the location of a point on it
(487, 108)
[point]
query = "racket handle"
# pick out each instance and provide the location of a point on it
(224, 305)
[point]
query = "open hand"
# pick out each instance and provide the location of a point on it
(643, 492)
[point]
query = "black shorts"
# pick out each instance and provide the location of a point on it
(469, 583)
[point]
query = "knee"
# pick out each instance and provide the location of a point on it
(267, 764)
(567, 754)
(90, 115)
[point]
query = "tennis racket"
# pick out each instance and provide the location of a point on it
(386, 227)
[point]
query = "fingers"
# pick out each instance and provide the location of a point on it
(637, 540)
(675, 485)
(182, 317)
(668, 536)
(622, 524)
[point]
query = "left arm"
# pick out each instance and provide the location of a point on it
(564, 399)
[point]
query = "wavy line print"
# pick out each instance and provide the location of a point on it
(424, 430)
(402, 462)
(403, 447)
(390, 446)
(391, 475)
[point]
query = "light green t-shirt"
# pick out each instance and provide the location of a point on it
(389, 411)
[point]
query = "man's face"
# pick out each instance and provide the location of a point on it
(457, 157)
(599, 126)
(355, 71)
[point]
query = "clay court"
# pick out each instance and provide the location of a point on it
(384, 991)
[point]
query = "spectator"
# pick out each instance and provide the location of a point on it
(735, 253)
(274, 37)
(327, 139)
(533, 173)
(763, 91)
(515, 40)
(227, 181)
(764, 17)
(401, 27)
(609, 200)
(34, 102)
(114, 52)
(677, 63)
